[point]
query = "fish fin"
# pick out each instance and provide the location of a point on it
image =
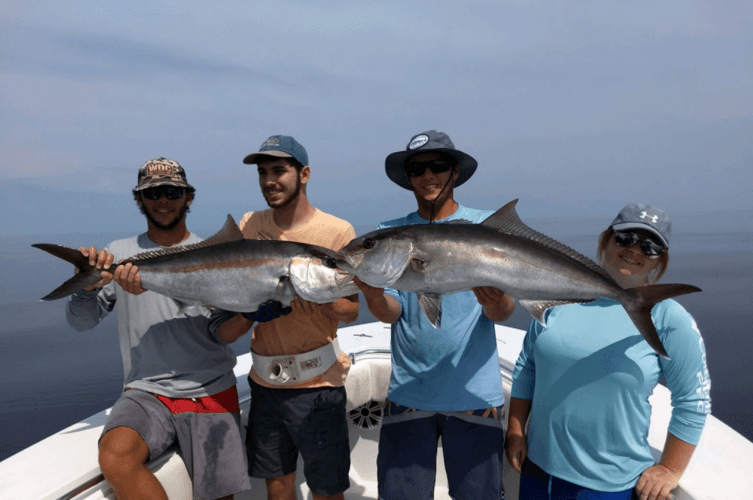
(645, 298)
(431, 305)
(506, 220)
(459, 221)
(229, 233)
(87, 275)
(537, 308)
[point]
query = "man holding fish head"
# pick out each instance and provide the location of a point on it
(289, 406)
(445, 381)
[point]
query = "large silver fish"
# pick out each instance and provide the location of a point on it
(225, 271)
(436, 259)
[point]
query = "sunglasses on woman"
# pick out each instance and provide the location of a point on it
(650, 248)
(155, 193)
(418, 169)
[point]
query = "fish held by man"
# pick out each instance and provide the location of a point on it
(502, 252)
(225, 271)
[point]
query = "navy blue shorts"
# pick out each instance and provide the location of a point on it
(312, 422)
(472, 442)
(537, 484)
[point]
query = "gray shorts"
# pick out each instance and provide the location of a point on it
(209, 443)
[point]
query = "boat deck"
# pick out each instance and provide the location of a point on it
(64, 466)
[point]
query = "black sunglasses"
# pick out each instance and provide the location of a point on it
(418, 169)
(155, 193)
(650, 248)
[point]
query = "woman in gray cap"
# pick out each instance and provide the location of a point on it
(584, 380)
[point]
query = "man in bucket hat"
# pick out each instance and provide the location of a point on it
(444, 382)
(179, 380)
(286, 412)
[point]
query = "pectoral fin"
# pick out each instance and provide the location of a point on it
(431, 305)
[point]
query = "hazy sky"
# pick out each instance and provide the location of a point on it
(576, 108)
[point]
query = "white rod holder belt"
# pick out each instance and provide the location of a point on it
(297, 368)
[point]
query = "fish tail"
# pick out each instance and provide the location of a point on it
(87, 274)
(644, 299)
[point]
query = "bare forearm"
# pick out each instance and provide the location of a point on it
(519, 410)
(384, 308)
(234, 328)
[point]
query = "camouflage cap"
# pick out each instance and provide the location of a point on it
(161, 171)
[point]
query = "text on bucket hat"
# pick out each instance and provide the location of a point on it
(282, 146)
(646, 217)
(159, 172)
(429, 141)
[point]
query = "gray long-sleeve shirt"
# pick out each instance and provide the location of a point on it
(166, 349)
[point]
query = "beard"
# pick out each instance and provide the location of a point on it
(170, 225)
(288, 199)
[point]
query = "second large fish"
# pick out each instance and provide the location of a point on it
(436, 259)
(225, 271)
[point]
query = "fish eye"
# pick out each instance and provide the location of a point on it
(369, 243)
(332, 263)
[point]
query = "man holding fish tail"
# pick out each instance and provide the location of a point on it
(298, 374)
(179, 381)
(445, 381)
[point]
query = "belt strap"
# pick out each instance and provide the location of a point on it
(297, 368)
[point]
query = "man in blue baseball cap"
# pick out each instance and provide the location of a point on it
(445, 382)
(287, 411)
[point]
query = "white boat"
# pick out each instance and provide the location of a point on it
(64, 465)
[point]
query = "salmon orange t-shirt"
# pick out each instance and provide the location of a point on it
(297, 333)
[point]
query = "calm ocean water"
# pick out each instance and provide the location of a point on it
(52, 376)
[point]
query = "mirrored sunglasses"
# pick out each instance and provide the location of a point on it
(651, 249)
(155, 193)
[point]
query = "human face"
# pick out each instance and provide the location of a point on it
(629, 266)
(280, 182)
(430, 186)
(164, 213)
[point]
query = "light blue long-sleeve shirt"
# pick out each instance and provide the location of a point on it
(589, 374)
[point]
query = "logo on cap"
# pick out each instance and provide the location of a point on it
(654, 218)
(418, 141)
(272, 141)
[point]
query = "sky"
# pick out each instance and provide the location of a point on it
(576, 108)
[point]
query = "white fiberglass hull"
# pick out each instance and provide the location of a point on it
(65, 464)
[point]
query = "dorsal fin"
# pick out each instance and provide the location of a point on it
(229, 232)
(507, 221)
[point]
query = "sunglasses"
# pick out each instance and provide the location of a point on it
(418, 169)
(650, 248)
(155, 193)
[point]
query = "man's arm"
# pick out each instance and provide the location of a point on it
(228, 326)
(86, 308)
(516, 445)
(384, 308)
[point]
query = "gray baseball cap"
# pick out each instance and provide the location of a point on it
(646, 217)
(428, 142)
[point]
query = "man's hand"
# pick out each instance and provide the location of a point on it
(127, 276)
(497, 305)
(268, 311)
(100, 259)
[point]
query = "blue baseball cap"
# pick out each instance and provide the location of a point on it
(281, 146)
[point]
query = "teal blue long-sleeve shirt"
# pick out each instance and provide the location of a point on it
(589, 374)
